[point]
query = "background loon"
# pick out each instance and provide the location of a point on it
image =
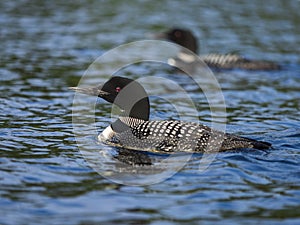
(133, 130)
(186, 39)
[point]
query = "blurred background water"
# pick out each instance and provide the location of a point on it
(46, 46)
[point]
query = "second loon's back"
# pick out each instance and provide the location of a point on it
(230, 61)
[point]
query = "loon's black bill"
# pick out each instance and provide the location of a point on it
(95, 91)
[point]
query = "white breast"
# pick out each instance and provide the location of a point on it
(106, 134)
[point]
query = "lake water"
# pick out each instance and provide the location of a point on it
(45, 177)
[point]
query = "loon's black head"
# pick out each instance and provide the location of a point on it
(182, 37)
(126, 93)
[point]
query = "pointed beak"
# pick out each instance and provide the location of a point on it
(95, 91)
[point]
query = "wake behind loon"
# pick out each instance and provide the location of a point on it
(187, 39)
(133, 130)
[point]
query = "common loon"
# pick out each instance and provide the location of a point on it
(133, 130)
(186, 39)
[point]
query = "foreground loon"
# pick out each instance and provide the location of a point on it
(186, 39)
(133, 130)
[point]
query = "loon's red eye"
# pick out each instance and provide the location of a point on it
(178, 34)
(118, 89)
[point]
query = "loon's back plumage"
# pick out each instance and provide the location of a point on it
(172, 136)
(230, 61)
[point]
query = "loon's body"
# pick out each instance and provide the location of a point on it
(133, 130)
(186, 39)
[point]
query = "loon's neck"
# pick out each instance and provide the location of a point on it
(119, 127)
(139, 111)
(124, 123)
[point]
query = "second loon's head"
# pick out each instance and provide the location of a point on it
(126, 93)
(181, 37)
